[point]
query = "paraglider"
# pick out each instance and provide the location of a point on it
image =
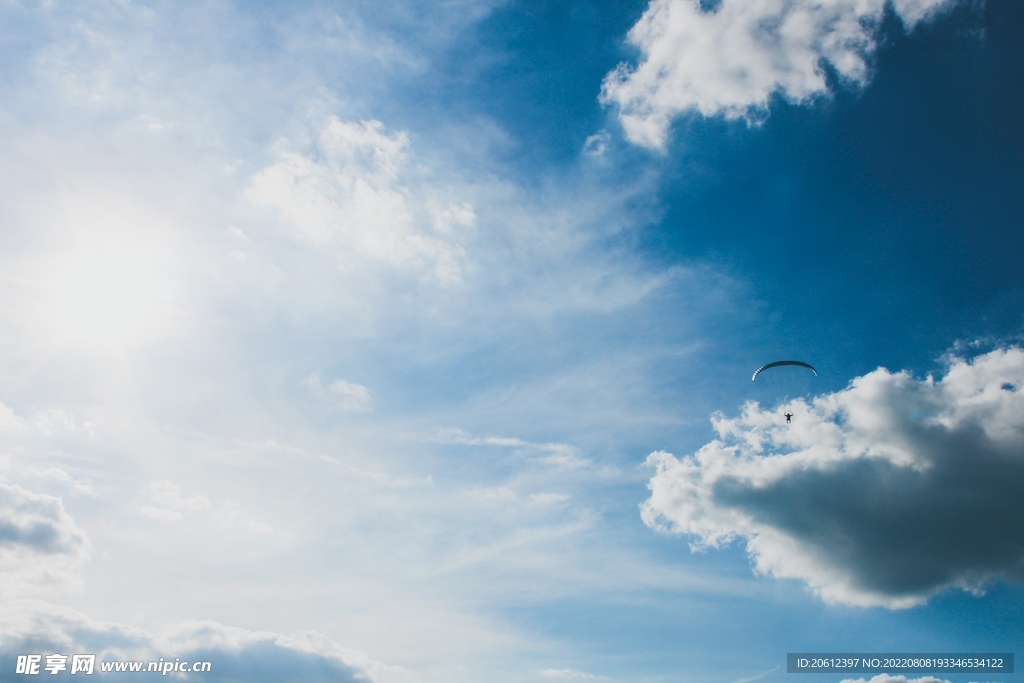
(784, 380)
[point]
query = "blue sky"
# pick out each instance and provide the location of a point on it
(412, 342)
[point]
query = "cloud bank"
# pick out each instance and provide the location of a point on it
(730, 61)
(881, 494)
(235, 654)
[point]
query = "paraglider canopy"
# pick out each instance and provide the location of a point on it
(780, 363)
(782, 381)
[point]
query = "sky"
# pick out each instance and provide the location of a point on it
(411, 342)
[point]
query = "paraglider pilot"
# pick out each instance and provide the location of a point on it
(789, 418)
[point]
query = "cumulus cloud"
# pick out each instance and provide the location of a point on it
(235, 654)
(347, 193)
(730, 61)
(883, 493)
(886, 678)
(41, 547)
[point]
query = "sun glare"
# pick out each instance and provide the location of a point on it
(109, 295)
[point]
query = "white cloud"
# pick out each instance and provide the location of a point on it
(454, 435)
(567, 675)
(55, 421)
(41, 547)
(558, 453)
(9, 422)
(550, 498)
(597, 144)
(881, 494)
(161, 514)
(232, 510)
(731, 60)
(236, 232)
(354, 397)
(756, 677)
(173, 506)
(347, 192)
(37, 522)
(557, 456)
(168, 494)
(48, 422)
(346, 395)
(78, 486)
(886, 678)
(453, 217)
